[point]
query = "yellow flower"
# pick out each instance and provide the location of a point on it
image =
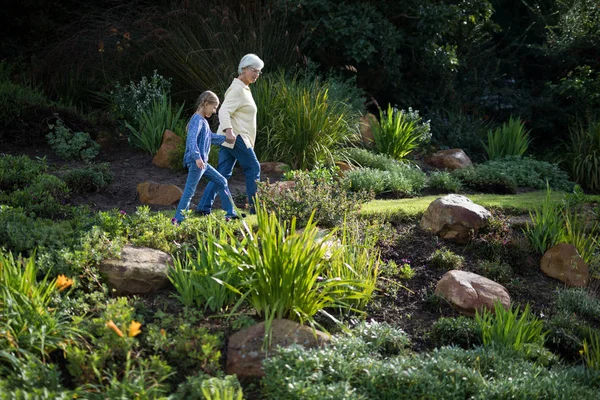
(581, 351)
(62, 282)
(112, 326)
(134, 328)
(163, 333)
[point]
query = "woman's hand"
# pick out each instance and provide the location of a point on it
(229, 136)
(200, 164)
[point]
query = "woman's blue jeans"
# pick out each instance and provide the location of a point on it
(216, 180)
(227, 160)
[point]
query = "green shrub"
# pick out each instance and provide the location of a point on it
(186, 345)
(583, 155)
(398, 133)
(531, 173)
(460, 331)
(402, 272)
(33, 379)
(286, 271)
(485, 179)
(328, 198)
(566, 333)
(591, 351)
(367, 159)
(152, 123)
(90, 179)
(496, 271)
(580, 302)
(15, 98)
(402, 180)
(444, 182)
(18, 171)
(70, 145)
(111, 365)
(299, 138)
(503, 328)
(511, 139)
(44, 197)
(199, 279)
(446, 259)
(21, 233)
(31, 322)
(131, 100)
(547, 226)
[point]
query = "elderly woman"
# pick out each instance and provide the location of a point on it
(237, 121)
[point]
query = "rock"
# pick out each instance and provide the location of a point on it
(366, 132)
(284, 185)
(273, 167)
(449, 159)
(139, 270)
(169, 144)
(245, 352)
(469, 292)
(454, 217)
(563, 262)
(157, 193)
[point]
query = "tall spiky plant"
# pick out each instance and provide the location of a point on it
(511, 139)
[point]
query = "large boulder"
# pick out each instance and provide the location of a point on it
(449, 159)
(563, 262)
(245, 352)
(454, 217)
(157, 193)
(469, 292)
(139, 270)
(169, 144)
(273, 167)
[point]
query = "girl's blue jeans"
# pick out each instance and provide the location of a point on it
(216, 180)
(227, 160)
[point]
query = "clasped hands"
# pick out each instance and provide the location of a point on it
(229, 136)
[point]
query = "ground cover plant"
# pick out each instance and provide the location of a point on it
(336, 243)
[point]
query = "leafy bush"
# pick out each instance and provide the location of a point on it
(448, 373)
(44, 197)
(402, 180)
(15, 98)
(30, 322)
(460, 331)
(328, 198)
(566, 333)
(367, 159)
(301, 139)
(528, 172)
(578, 233)
(591, 351)
(486, 179)
(446, 259)
(18, 171)
(70, 145)
(130, 101)
(503, 328)
(583, 155)
(152, 123)
(199, 280)
(90, 179)
(183, 343)
(444, 182)
(111, 365)
(511, 139)
(286, 271)
(496, 271)
(580, 302)
(546, 227)
(398, 133)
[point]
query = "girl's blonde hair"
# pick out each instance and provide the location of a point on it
(207, 97)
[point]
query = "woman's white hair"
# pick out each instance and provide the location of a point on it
(250, 60)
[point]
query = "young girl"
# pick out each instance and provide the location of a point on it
(197, 147)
